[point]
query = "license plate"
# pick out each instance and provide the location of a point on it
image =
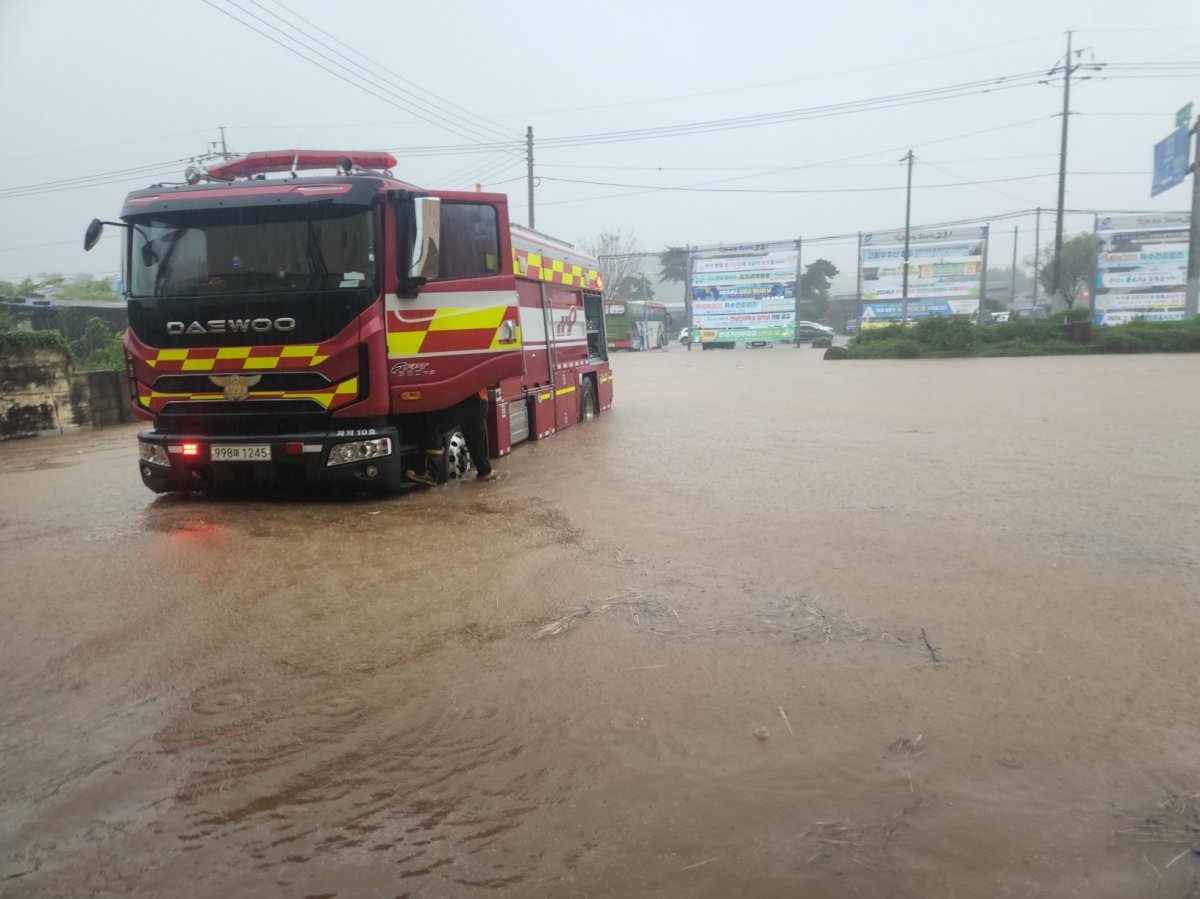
(245, 452)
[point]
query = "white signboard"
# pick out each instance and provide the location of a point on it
(945, 272)
(744, 293)
(1141, 267)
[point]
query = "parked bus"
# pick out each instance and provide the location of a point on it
(637, 325)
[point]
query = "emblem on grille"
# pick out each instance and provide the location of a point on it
(236, 387)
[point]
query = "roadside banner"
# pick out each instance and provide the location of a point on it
(744, 292)
(945, 273)
(1141, 267)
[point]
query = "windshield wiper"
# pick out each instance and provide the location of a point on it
(316, 261)
(164, 265)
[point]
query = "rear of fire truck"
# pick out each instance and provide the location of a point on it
(313, 328)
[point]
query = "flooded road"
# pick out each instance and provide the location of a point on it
(773, 626)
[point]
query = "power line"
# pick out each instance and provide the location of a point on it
(940, 140)
(136, 173)
(354, 80)
(759, 86)
(468, 116)
(948, 92)
(777, 190)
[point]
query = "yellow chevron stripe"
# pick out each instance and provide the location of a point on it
(467, 319)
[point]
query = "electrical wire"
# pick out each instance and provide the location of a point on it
(136, 173)
(467, 115)
(955, 91)
(354, 80)
(769, 84)
(885, 150)
(778, 190)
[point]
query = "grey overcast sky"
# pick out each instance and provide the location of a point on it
(99, 98)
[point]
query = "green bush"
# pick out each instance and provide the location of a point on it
(1035, 348)
(960, 336)
(886, 333)
(1022, 330)
(1140, 336)
(98, 348)
(955, 335)
(872, 349)
(1074, 314)
(25, 343)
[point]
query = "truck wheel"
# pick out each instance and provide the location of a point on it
(588, 407)
(457, 457)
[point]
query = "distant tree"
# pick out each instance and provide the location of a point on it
(85, 287)
(1003, 277)
(96, 334)
(815, 283)
(98, 348)
(29, 286)
(674, 264)
(621, 264)
(1078, 267)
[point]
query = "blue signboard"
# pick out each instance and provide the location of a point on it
(1170, 160)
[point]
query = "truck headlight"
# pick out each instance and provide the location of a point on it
(358, 450)
(154, 454)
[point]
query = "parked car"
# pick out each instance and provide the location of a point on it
(685, 336)
(1031, 313)
(812, 330)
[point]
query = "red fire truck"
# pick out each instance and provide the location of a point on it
(293, 327)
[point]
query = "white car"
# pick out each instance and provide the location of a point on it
(810, 330)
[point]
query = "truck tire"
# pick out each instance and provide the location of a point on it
(457, 458)
(589, 408)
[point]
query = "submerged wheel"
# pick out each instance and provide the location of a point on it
(457, 457)
(589, 408)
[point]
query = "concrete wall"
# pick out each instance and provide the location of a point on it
(39, 392)
(101, 398)
(35, 393)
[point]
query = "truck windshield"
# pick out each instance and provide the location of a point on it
(252, 250)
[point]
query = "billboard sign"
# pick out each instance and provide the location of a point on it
(1141, 267)
(945, 273)
(744, 292)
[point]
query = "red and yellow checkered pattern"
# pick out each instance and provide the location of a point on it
(237, 358)
(449, 330)
(541, 267)
(332, 397)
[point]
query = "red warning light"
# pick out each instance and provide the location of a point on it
(191, 449)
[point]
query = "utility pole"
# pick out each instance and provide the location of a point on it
(987, 237)
(1062, 171)
(529, 169)
(1193, 264)
(1037, 253)
(1012, 287)
(796, 307)
(225, 154)
(858, 284)
(693, 336)
(907, 222)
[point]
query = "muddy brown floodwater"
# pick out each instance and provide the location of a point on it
(772, 627)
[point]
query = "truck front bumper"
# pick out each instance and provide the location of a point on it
(363, 457)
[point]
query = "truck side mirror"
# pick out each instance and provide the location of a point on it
(91, 236)
(425, 250)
